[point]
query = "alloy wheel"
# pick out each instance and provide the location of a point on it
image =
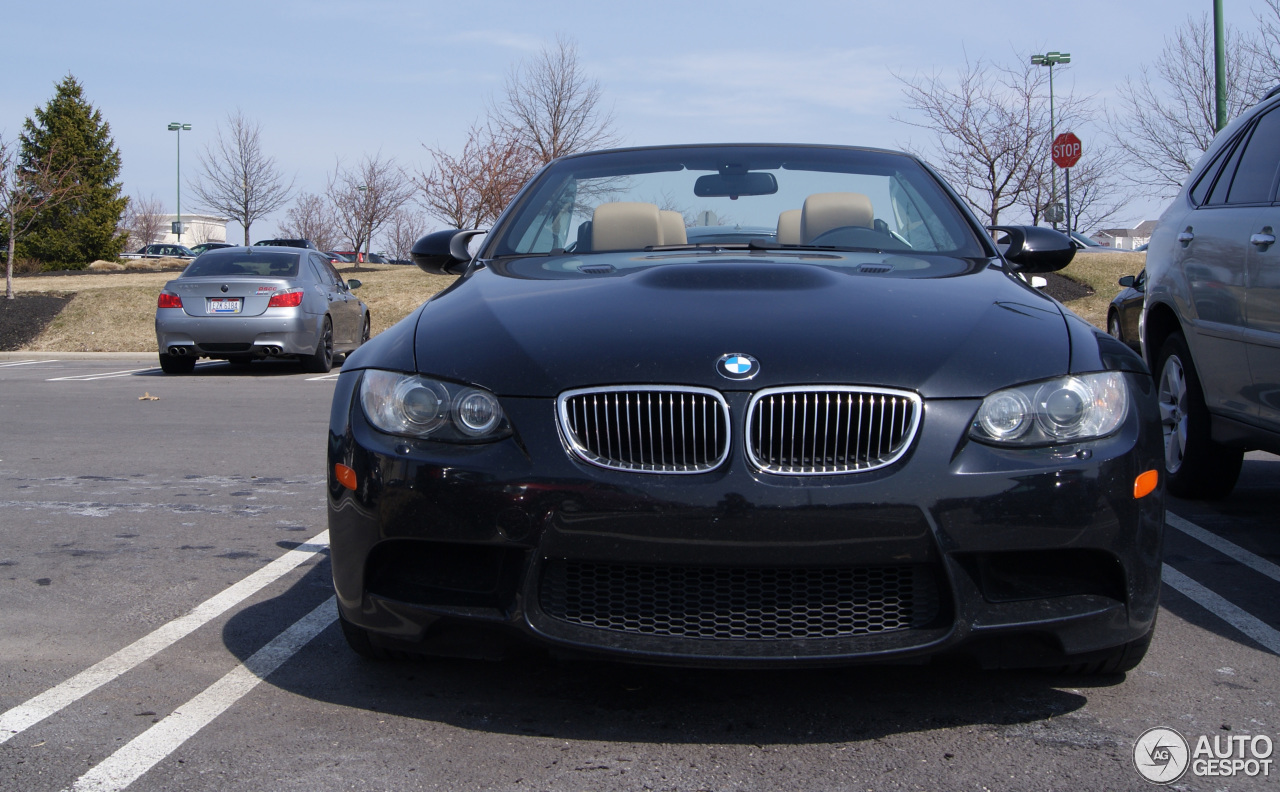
(1173, 412)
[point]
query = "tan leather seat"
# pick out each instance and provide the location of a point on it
(825, 211)
(789, 227)
(625, 225)
(672, 227)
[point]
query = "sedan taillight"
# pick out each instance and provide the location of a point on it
(169, 300)
(286, 299)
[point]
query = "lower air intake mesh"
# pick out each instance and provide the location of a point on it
(740, 603)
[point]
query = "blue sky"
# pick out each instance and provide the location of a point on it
(341, 79)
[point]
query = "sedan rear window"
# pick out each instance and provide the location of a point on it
(267, 264)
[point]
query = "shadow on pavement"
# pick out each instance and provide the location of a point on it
(541, 696)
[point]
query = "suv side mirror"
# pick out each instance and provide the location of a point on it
(444, 252)
(354, 284)
(1035, 249)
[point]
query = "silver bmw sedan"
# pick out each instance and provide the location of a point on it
(245, 303)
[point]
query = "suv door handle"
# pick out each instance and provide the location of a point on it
(1263, 239)
(1186, 236)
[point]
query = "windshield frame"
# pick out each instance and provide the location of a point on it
(971, 239)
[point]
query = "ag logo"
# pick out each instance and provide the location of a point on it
(737, 366)
(1161, 755)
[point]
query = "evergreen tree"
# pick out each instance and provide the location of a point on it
(69, 133)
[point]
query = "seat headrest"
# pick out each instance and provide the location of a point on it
(789, 227)
(625, 225)
(825, 211)
(672, 227)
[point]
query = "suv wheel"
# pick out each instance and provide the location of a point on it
(1195, 466)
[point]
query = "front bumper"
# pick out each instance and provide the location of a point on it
(292, 330)
(1020, 557)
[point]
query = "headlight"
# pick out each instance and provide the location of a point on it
(1069, 408)
(416, 406)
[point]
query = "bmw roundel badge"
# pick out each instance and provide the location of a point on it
(737, 366)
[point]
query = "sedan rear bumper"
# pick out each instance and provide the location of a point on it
(290, 330)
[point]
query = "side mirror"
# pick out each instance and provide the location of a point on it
(1127, 281)
(1034, 249)
(444, 252)
(353, 284)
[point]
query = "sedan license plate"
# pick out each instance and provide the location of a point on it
(230, 305)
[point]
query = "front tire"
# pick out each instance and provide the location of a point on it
(322, 360)
(173, 364)
(1113, 326)
(1195, 466)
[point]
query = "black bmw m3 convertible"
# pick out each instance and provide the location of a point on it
(748, 405)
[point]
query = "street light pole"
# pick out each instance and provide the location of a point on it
(1050, 59)
(179, 127)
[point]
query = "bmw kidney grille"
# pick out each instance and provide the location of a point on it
(647, 430)
(829, 430)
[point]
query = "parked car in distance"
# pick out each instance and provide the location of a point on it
(161, 251)
(204, 246)
(336, 258)
(1087, 245)
(298, 243)
(246, 303)
(846, 431)
(1211, 325)
(1124, 316)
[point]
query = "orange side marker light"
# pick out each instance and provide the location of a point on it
(1143, 485)
(347, 477)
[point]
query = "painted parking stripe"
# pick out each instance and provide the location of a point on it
(113, 374)
(12, 363)
(148, 749)
(56, 698)
(1254, 562)
(1237, 617)
(325, 377)
(82, 377)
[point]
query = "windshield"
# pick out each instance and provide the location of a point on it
(789, 196)
(224, 262)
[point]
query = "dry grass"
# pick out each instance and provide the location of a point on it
(116, 312)
(1100, 271)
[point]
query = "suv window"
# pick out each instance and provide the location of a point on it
(1219, 195)
(1256, 175)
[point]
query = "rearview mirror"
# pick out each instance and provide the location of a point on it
(1033, 248)
(731, 185)
(354, 284)
(444, 252)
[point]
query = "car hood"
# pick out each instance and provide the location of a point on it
(959, 336)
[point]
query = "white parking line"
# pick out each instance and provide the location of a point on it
(145, 751)
(113, 374)
(332, 376)
(1237, 552)
(12, 363)
(56, 698)
(1234, 615)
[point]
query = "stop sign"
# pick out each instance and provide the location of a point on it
(1066, 150)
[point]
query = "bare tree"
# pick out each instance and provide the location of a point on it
(991, 129)
(552, 107)
(311, 217)
(1265, 49)
(472, 189)
(237, 179)
(1168, 120)
(144, 221)
(25, 191)
(366, 196)
(403, 229)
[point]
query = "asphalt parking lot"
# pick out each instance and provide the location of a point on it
(166, 623)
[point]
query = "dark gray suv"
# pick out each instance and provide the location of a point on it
(1212, 316)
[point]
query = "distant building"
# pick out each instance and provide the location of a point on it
(196, 228)
(1126, 238)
